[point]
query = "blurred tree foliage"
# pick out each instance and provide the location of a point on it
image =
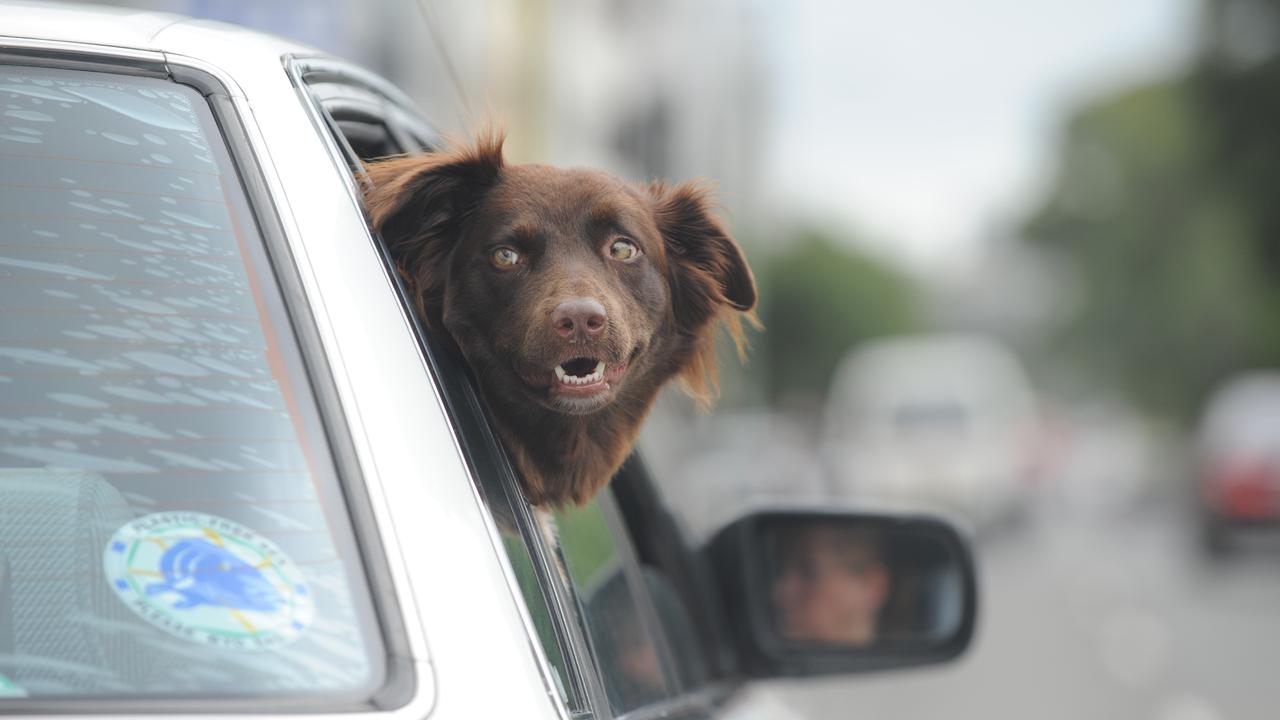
(1165, 210)
(819, 298)
(1237, 89)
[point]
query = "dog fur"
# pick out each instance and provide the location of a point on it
(448, 219)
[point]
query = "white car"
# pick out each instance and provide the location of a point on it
(238, 478)
(946, 420)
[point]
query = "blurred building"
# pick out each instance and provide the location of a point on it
(656, 89)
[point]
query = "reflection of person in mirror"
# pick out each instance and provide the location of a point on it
(830, 583)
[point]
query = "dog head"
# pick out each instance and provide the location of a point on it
(573, 295)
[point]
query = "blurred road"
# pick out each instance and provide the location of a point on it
(1119, 618)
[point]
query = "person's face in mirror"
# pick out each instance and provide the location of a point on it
(829, 584)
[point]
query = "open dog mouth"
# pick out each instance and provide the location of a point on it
(579, 384)
(585, 377)
(580, 371)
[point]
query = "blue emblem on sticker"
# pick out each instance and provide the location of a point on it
(208, 580)
(204, 573)
(11, 689)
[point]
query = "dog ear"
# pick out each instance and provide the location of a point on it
(707, 265)
(709, 278)
(418, 204)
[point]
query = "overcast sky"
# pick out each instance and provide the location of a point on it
(926, 125)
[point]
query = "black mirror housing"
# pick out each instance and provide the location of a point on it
(823, 592)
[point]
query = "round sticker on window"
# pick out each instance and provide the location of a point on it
(208, 580)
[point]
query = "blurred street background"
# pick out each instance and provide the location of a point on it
(1019, 261)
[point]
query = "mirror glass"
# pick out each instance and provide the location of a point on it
(862, 582)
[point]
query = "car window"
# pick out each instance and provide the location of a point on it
(632, 658)
(171, 522)
(369, 138)
(370, 124)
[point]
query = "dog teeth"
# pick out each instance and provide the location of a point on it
(567, 379)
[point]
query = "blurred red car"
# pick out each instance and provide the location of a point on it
(1239, 458)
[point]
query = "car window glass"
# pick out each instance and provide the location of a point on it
(627, 654)
(170, 518)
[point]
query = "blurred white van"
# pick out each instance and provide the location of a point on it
(940, 420)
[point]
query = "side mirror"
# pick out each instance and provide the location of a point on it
(828, 592)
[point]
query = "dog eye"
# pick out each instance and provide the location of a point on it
(504, 257)
(624, 250)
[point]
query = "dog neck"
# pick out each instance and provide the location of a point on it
(576, 455)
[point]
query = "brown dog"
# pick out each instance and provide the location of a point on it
(573, 295)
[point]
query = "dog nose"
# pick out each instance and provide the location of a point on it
(579, 317)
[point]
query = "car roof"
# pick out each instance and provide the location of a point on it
(130, 28)
(122, 27)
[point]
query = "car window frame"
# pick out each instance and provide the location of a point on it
(402, 685)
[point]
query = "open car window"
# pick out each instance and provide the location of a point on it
(365, 125)
(592, 606)
(171, 522)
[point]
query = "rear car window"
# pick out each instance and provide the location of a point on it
(171, 523)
